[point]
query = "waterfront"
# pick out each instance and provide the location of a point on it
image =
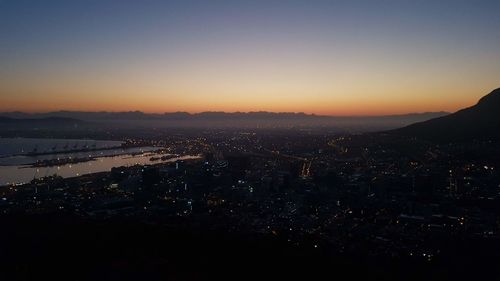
(16, 169)
(23, 174)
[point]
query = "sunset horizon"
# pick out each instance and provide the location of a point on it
(328, 58)
(372, 108)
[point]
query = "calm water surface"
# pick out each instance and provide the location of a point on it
(13, 169)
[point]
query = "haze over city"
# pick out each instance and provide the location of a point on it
(322, 57)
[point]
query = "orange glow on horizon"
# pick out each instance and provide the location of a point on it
(332, 108)
(205, 92)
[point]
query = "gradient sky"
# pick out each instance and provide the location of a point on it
(324, 57)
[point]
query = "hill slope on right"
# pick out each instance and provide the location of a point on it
(478, 122)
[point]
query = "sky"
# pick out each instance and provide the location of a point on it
(323, 57)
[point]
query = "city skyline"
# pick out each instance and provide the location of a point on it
(325, 57)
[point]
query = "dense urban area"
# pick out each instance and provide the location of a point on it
(303, 200)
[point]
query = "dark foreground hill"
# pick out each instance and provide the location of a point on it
(478, 122)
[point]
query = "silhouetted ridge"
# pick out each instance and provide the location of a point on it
(220, 119)
(491, 100)
(479, 122)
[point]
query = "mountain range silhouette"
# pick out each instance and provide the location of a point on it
(478, 122)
